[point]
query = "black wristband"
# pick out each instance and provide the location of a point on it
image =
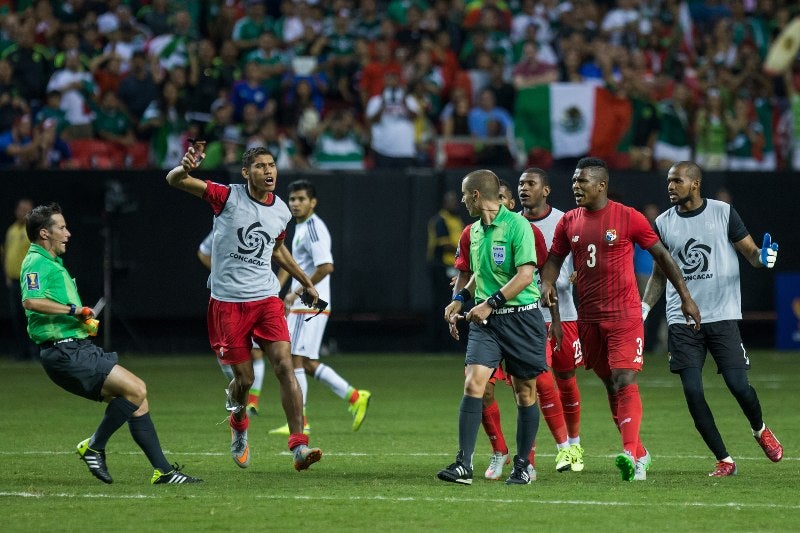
(462, 296)
(72, 309)
(496, 300)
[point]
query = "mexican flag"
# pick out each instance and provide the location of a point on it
(571, 119)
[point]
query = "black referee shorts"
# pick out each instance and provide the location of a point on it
(78, 366)
(687, 347)
(516, 338)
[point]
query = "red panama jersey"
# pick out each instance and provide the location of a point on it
(601, 243)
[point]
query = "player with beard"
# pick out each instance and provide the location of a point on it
(600, 234)
(703, 236)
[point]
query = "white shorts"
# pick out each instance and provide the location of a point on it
(306, 336)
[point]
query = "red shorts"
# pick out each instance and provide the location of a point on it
(232, 327)
(612, 345)
(569, 356)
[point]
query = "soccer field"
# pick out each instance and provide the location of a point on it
(384, 476)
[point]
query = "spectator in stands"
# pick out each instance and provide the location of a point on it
(221, 118)
(248, 28)
(455, 115)
(156, 16)
(375, 72)
(746, 148)
(31, 62)
(52, 110)
(17, 149)
(711, 132)
(53, 151)
(165, 119)
(391, 114)
(340, 146)
(793, 113)
(281, 146)
(274, 60)
(250, 90)
(12, 103)
(77, 89)
(301, 113)
(486, 110)
(368, 20)
(106, 70)
(674, 129)
(111, 123)
(644, 122)
(529, 71)
(138, 89)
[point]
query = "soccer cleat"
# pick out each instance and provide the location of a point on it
(496, 463)
(576, 450)
(240, 450)
(173, 477)
(519, 475)
(252, 409)
(531, 472)
(723, 469)
(642, 466)
(457, 472)
(626, 465)
(770, 444)
(563, 459)
(305, 456)
(359, 408)
(95, 460)
(230, 404)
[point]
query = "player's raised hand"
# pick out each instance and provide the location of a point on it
(769, 251)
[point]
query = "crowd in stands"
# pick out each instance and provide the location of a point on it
(354, 84)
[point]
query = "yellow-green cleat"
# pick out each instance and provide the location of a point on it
(576, 451)
(359, 408)
(95, 460)
(173, 477)
(564, 459)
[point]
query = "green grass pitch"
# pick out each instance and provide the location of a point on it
(383, 476)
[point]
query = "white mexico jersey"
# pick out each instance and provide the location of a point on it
(700, 243)
(244, 237)
(311, 247)
(566, 302)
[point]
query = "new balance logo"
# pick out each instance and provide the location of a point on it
(624, 421)
(574, 238)
(638, 359)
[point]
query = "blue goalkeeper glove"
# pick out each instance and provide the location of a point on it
(769, 251)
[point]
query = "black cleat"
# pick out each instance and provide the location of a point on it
(174, 476)
(520, 474)
(457, 472)
(95, 460)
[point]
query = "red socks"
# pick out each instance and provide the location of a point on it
(296, 439)
(491, 425)
(239, 426)
(550, 404)
(629, 416)
(570, 404)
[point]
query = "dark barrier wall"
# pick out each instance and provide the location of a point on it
(378, 222)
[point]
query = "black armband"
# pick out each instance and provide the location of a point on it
(496, 300)
(462, 296)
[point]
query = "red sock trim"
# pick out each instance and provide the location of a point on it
(353, 397)
(296, 439)
(239, 425)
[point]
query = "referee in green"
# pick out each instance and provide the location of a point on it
(57, 323)
(505, 323)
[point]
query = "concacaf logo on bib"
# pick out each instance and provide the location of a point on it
(498, 254)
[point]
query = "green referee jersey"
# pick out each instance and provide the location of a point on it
(496, 250)
(44, 276)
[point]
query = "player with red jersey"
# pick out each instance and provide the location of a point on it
(601, 233)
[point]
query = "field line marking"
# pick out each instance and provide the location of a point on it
(412, 499)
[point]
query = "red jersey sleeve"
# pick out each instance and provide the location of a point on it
(642, 232)
(560, 245)
(216, 194)
(462, 254)
(540, 245)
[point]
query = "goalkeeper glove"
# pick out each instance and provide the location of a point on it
(769, 251)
